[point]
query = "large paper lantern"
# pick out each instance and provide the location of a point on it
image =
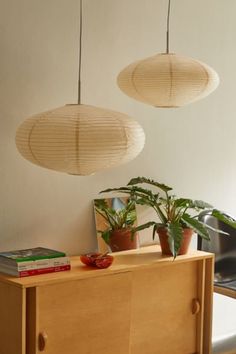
(79, 139)
(168, 80)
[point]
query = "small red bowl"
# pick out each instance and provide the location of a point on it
(104, 261)
(97, 260)
(89, 259)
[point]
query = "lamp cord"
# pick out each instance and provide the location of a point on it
(80, 50)
(168, 29)
(80, 43)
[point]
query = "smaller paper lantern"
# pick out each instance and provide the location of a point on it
(168, 80)
(79, 139)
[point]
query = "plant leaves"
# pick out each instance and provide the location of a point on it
(133, 191)
(224, 218)
(182, 202)
(200, 204)
(106, 236)
(196, 225)
(147, 192)
(138, 180)
(120, 189)
(117, 219)
(144, 226)
(156, 226)
(154, 231)
(192, 204)
(143, 196)
(130, 217)
(100, 203)
(175, 236)
(214, 229)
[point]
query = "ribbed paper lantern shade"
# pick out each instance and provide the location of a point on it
(79, 139)
(168, 80)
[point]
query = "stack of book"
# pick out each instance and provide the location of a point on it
(33, 261)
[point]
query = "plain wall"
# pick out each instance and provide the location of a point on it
(191, 148)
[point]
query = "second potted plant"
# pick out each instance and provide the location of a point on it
(177, 217)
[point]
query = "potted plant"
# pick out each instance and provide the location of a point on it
(120, 232)
(177, 217)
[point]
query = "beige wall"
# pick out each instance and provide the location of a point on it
(192, 148)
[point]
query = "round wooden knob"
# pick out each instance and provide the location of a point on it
(196, 306)
(42, 341)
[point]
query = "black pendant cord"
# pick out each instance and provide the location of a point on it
(168, 29)
(80, 50)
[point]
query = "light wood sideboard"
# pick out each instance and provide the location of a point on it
(144, 303)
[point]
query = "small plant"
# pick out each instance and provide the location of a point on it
(174, 214)
(123, 218)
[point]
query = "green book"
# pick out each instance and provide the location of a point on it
(31, 254)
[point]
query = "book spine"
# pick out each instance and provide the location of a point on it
(16, 263)
(43, 263)
(27, 273)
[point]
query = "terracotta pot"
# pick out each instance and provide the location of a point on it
(187, 235)
(121, 240)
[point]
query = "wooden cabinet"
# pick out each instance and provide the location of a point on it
(144, 304)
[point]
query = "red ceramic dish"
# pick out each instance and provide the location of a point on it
(97, 260)
(104, 261)
(89, 259)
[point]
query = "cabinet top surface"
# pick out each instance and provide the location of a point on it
(123, 262)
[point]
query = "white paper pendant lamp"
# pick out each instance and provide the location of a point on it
(80, 139)
(168, 80)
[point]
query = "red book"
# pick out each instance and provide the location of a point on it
(27, 273)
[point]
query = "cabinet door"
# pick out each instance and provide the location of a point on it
(162, 309)
(12, 319)
(90, 316)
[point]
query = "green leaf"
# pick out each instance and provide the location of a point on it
(155, 228)
(192, 204)
(106, 236)
(200, 204)
(196, 225)
(138, 180)
(224, 218)
(214, 229)
(113, 212)
(146, 192)
(112, 219)
(100, 203)
(131, 217)
(182, 202)
(120, 189)
(133, 191)
(154, 232)
(175, 236)
(144, 226)
(144, 201)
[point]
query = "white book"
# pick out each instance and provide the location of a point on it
(37, 264)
